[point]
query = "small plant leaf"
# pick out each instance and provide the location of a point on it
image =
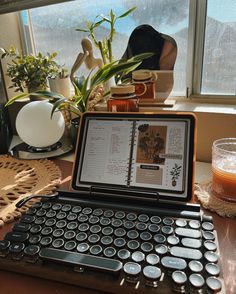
(127, 12)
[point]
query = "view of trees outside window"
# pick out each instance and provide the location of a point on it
(54, 30)
(219, 64)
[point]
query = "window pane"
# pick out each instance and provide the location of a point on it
(54, 28)
(219, 63)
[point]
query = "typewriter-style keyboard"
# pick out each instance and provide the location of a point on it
(136, 251)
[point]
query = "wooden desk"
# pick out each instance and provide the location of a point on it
(20, 284)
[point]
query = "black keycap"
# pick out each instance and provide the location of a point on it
(46, 241)
(133, 245)
(83, 247)
(46, 205)
(167, 230)
(21, 227)
(211, 256)
(83, 227)
(66, 207)
(138, 256)
(40, 220)
(172, 240)
(155, 219)
(109, 252)
(70, 245)
(41, 212)
(145, 236)
(87, 210)
(76, 209)
(58, 233)
(105, 221)
(98, 212)
(34, 239)
(119, 242)
(58, 243)
(116, 223)
(61, 215)
(141, 226)
(106, 240)
(152, 259)
(194, 224)
(146, 247)
(37, 205)
(27, 219)
(168, 221)
(120, 214)
(72, 225)
(96, 249)
(143, 218)
(132, 269)
(61, 224)
(46, 231)
(195, 266)
(210, 245)
(95, 229)
(123, 254)
(131, 216)
(4, 244)
(159, 238)
(152, 273)
(192, 243)
(31, 211)
(132, 234)
(173, 263)
(17, 236)
(94, 219)
(212, 269)
(107, 231)
(82, 218)
(50, 222)
(214, 284)
(207, 226)
(31, 250)
(69, 235)
(181, 222)
(82, 236)
(196, 281)
(120, 232)
(153, 228)
(161, 249)
(108, 213)
(189, 233)
(186, 253)
(129, 225)
(208, 235)
(51, 213)
(71, 217)
(35, 229)
(16, 248)
(56, 206)
(73, 258)
(94, 238)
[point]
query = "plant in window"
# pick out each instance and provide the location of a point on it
(30, 71)
(105, 45)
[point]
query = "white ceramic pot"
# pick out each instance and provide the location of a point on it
(61, 86)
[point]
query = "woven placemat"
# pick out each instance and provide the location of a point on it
(209, 201)
(21, 178)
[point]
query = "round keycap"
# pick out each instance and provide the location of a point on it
(141, 226)
(58, 233)
(168, 221)
(152, 259)
(145, 236)
(131, 216)
(51, 213)
(71, 217)
(95, 229)
(129, 225)
(214, 284)
(173, 240)
(109, 252)
(41, 212)
(83, 227)
(82, 218)
(132, 234)
(161, 249)
(69, 235)
(70, 245)
(212, 269)
(194, 224)
(93, 219)
(207, 226)
(120, 232)
(46, 205)
(123, 254)
(138, 256)
(72, 225)
(153, 228)
(105, 221)
(16, 248)
(35, 229)
(143, 218)
(4, 244)
(107, 240)
(133, 245)
(116, 223)
(132, 268)
(76, 209)
(108, 213)
(45, 241)
(179, 277)
(211, 256)
(208, 235)
(82, 236)
(155, 219)
(61, 224)
(66, 207)
(181, 222)
(95, 249)
(50, 222)
(94, 238)
(31, 250)
(61, 215)
(46, 231)
(151, 272)
(159, 238)
(146, 247)
(34, 239)
(82, 247)
(210, 245)
(58, 243)
(120, 214)
(167, 230)
(196, 281)
(56, 206)
(87, 210)
(107, 231)
(98, 212)
(40, 220)
(195, 266)
(119, 242)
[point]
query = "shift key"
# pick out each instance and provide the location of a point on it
(186, 253)
(16, 236)
(190, 233)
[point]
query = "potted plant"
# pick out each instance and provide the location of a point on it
(29, 72)
(60, 81)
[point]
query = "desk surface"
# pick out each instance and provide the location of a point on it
(21, 284)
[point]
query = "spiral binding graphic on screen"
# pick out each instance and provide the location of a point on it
(131, 161)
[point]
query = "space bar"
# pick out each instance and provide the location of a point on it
(84, 260)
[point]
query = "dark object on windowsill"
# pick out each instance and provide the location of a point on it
(5, 130)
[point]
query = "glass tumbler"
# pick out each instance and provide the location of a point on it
(224, 169)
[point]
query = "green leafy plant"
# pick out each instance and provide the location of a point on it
(83, 88)
(30, 71)
(105, 45)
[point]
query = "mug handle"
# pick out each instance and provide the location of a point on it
(154, 76)
(144, 86)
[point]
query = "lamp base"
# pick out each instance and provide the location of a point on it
(24, 151)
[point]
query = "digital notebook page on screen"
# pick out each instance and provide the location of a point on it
(135, 153)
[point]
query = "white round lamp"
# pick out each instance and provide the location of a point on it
(36, 127)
